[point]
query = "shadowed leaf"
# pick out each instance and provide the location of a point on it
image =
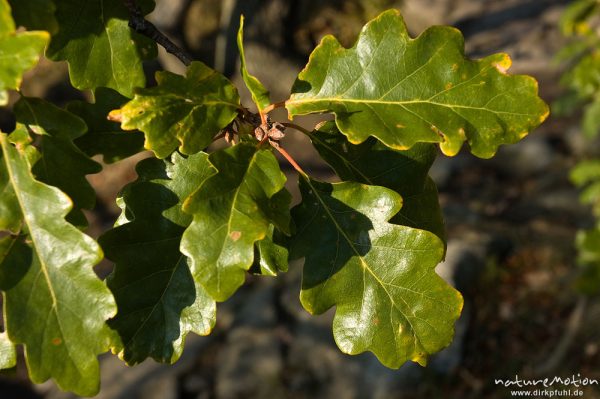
(373, 163)
(146, 252)
(94, 37)
(61, 164)
(35, 14)
(104, 136)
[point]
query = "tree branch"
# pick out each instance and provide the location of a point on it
(138, 23)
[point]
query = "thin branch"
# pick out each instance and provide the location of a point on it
(138, 23)
(271, 107)
(297, 127)
(289, 158)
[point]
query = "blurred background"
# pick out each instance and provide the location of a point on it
(511, 223)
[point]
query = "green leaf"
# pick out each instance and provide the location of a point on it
(588, 258)
(404, 91)
(584, 77)
(380, 277)
(232, 210)
(588, 244)
(35, 14)
(104, 136)
(373, 163)
(270, 256)
(62, 164)
(575, 16)
(260, 95)
(18, 51)
(55, 305)
(146, 252)
(101, 49)
(185, 112)
(585, 172)
(10, 219)
(591, 119)
(8, 354)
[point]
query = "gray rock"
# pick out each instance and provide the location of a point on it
(445, 167)
(532, 156)
(250, 362)
(163, 387)
(249, 365)
(464, 263)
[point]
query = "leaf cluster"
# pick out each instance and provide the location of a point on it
(580, 22)
(199, 217)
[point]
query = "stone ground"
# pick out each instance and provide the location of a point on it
(511, 222)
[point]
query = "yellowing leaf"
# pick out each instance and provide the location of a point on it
(185, 112)
(18, 51)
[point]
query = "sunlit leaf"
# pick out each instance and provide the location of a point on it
(380, 277)
(55, 305)
(185, 112)
(232, 211)
(260, 95)
(18, 51)
(404, 91)
(8, 354)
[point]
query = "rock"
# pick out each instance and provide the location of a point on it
(250, 362)
(532, 156)
(250, 365)
(444, 167)
(463, 264)
(163, 387)
(316, 367)
(166, 14)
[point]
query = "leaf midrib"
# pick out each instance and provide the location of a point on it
(43, 266)
(363, 262)
(399, 103)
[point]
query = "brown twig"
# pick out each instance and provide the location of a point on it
(138, 23)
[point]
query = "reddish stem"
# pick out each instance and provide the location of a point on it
(289, 159)
(271, 107)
